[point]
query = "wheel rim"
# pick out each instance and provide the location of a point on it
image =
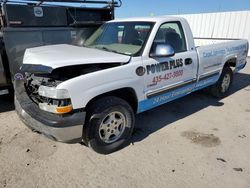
(112, 127)
(225, 83)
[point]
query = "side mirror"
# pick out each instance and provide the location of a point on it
(163, 50)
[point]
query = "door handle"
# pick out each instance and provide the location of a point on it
(188, 61)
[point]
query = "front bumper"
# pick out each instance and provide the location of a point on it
(67, 128)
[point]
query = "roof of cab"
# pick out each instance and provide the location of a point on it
(149, 19)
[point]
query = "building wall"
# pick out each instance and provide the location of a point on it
(221, 25)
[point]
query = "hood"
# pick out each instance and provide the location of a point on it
(47, 58)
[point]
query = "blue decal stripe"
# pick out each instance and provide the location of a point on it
(164, 98)
(241, 67)
(175, 94)
(206, 82)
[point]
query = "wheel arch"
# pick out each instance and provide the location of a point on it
(128, 94)
(230, 62)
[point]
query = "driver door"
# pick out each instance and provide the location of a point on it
(168, 78)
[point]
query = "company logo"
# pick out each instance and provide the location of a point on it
(140, 71)
(164, 66)
(18, 76)
(38, 11)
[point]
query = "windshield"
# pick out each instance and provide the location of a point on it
(126, 38)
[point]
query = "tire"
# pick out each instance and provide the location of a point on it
(109, 126)
(223, 85)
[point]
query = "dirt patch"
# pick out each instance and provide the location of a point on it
(0, 143)
(221, 159)
(36, 146)
(238, 169)
(4, 183)
(242, 136)
(38, 149)
(206, 140)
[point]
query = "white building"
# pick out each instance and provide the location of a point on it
(220, 26)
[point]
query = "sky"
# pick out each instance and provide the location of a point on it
(135, 8)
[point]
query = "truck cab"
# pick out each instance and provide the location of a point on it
(92, 93)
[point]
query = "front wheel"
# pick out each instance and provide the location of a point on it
(110, 125)
(222, 87)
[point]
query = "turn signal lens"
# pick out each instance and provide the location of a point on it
(64, 109)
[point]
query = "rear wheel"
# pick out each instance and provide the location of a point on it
(223, 85)
(110, 125)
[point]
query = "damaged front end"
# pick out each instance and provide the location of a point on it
(41, 104)
(48, 110)
(41, 86)
(42, 91)
(63, 127)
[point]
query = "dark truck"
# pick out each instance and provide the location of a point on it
(26, 24)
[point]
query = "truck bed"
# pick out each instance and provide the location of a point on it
(213, 54)
(206, 41)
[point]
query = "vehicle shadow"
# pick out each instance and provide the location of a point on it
(151, 121)
(6, 103)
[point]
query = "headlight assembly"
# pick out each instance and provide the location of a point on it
(58, 100)
(53, 93)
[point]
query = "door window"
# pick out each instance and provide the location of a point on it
(171, 33)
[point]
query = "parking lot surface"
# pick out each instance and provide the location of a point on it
(196, 141)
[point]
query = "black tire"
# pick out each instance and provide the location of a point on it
(97, 113)
(217, 89)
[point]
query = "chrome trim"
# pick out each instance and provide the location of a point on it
(163, 90)
(208, 74)
(176, 86)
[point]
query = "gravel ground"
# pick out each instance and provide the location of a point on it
(196, 141)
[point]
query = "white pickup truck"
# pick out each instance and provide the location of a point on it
(91, 93)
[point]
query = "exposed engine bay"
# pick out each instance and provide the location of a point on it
(32, 85)
(33, 81)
